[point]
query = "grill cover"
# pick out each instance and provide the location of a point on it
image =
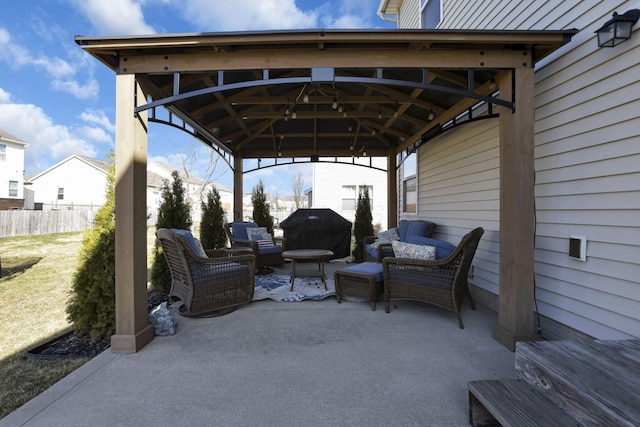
(318, 229)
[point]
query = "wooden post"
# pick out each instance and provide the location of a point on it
(237, 188)
(133, 330)
(517, 217)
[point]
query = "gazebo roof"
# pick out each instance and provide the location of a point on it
(320, 93)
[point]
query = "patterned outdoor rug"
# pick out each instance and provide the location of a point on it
(276, 287)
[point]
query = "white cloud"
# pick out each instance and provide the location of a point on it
(224, 15)
(94, 134)
(87, 91)
(98, 117)
(4, 96)
(48, 142)
(114, 17)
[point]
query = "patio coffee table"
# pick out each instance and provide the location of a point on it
(296, 255)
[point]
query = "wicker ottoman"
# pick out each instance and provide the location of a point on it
(364, 280)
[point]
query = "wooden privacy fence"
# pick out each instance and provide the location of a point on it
(26, 222)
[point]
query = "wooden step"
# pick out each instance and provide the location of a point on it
(513, 402)
(596, 382)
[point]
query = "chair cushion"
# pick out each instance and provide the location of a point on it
(416, 228)
(239, 229)
(443, 249)
(403, 225)
(191, 241)
(411, 250)
(374, 268)
(271, 249)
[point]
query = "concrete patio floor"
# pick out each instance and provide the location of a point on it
(287, 364)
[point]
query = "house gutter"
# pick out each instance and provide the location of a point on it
(383, 15)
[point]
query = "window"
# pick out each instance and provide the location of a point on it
(430, 14)
(60, 193)
(348, 197)
(409, 185)
(3, 152)
(13, 188)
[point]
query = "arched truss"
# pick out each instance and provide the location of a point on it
(317, 76)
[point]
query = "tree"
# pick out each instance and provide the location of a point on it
(261, 215)
(91, 309)
(174, 212)
(298, 185)
(363, 223)
(212, 234)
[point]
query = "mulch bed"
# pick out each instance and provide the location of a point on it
(71, 346)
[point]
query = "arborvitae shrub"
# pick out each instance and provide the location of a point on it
(91, 309)
(212, 234)
(174, 212)
(261, 214)
(363, 223)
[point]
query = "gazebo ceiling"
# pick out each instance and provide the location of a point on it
(319, 93)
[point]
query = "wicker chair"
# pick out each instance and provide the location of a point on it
(441, 282)
(206, 286)
(265, 256)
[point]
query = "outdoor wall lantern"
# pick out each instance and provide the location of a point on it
(617, 29)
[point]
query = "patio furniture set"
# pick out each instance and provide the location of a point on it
(404, 263)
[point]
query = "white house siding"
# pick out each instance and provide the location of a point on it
(409, 14)
(83, 184)
(328, 179)
(12, 168)
(587, 148)
(458, 189)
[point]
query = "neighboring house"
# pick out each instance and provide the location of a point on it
(58, 187)
(77, 182)
(587, 166)
(11, 171)
(337, 185)
(195, 187)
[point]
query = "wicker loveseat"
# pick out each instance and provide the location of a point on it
(206, 286)
(441, 282)
(378, 247)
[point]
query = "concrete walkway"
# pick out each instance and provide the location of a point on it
(311, 363)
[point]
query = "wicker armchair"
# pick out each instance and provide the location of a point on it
(265, 255)
(206, 286)
(441, 282)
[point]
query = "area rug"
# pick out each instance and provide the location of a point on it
(276, 287)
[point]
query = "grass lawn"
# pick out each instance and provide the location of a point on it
(37, 274)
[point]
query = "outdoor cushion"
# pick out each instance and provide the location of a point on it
(271, 249)
(443, 249)
(416, 228)
(192, 241)
(261, 235)
(239, 229)
(403, 225)
(374, 268)
(411, 250)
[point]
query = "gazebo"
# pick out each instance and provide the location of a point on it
(324, 95)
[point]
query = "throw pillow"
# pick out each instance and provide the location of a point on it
(410, 250)
(261, 235)
(386, 237)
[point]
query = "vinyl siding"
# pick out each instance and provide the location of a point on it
(409, 14)
(458, 189)
(587, 162)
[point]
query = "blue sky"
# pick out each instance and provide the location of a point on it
(60, 100)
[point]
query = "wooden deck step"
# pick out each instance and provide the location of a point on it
(596, 382)
(513, 402)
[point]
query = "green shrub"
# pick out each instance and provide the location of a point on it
(261, 214)
(212, 234)
(363, 223)
(173, 212)
(91, 308)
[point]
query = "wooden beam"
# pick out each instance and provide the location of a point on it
(284, 59)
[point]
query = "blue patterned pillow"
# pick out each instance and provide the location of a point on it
(413, 251)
